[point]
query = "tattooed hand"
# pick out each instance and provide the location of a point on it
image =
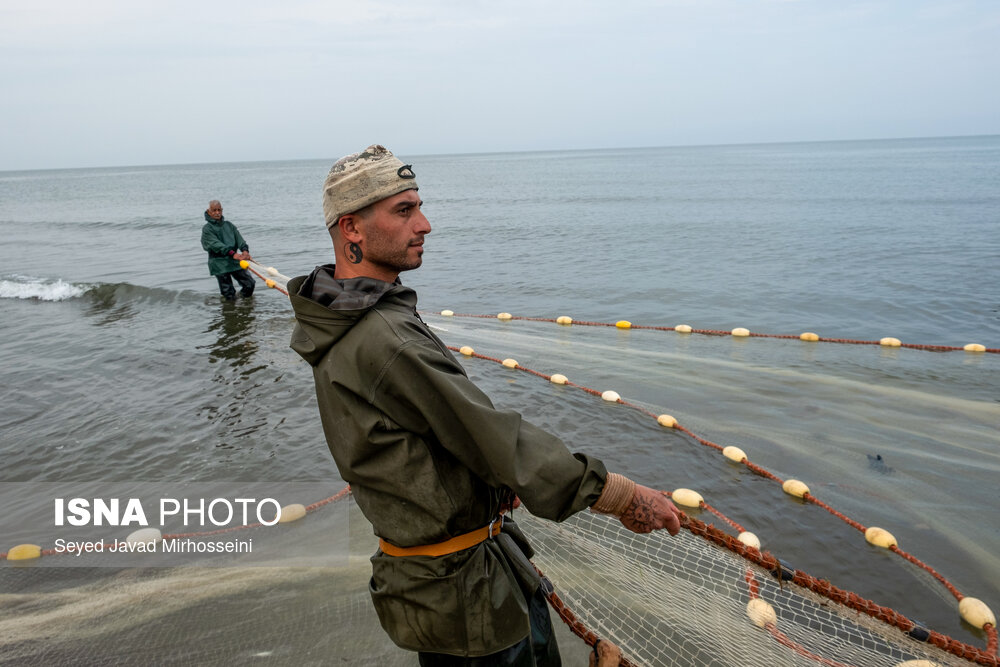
(651, 510)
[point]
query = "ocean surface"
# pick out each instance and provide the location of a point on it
(120, 363)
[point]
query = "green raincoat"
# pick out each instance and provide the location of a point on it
(218, 237)
(428, 458)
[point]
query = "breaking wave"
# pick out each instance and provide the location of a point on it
(25, 287)
(47, 289)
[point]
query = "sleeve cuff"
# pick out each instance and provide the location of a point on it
(616, 496)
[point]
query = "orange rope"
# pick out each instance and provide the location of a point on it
(930, 570)
(801, 650)
(576, 626)
(737, 527)
(707, 443)
(808, 497)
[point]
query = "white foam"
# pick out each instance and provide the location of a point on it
(43, 290)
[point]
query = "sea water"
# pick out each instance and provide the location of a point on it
(119, 361)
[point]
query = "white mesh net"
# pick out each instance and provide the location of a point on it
(683, 601)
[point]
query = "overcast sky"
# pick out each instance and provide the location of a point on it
(134, 82)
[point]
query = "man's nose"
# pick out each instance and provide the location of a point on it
(423, 224)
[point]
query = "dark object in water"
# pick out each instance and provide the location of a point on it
(877, 463)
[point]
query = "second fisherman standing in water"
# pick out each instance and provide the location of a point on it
(225, 247)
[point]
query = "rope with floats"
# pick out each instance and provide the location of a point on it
(275, 280)
(738, 332)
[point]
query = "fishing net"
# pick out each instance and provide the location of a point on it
(684, 601)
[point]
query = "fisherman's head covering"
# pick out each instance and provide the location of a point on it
(360, 179)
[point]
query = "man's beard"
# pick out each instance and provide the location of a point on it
(396, 259)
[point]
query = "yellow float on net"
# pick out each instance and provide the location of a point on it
(270, 283)
(889, 341)
(509, 363)
(504, 316)
(271, 271)
(740, 332)
(794, 487)
(623, 324)
(564, 319)
(25, 552)
(749, 539)
(558, 378)
(974, 347)
(761, 613)
(666, 420)
(880, 537)
(687, 498)
(611, 396)
(244, 264)
(447, 313)
(734, 454)
(292, 512)
(466, 350)
(975, 612)
(809, 337)
(682, 328)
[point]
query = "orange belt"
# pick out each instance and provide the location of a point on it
(457, 543)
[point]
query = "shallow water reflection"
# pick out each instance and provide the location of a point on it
(234, 327)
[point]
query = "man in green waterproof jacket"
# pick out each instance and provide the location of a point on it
(225, 247)
(432, 464)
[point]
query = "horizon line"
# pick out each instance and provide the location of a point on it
(511, 152)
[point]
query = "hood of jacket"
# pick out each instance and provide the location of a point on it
(326, 308)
